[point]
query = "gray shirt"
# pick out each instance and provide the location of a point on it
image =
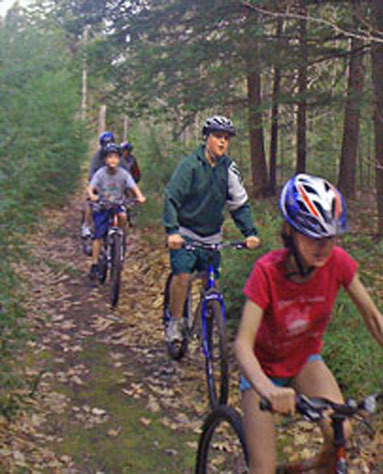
(112, 187)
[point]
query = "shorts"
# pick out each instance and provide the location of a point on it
(101, 222)
(279, 381)
(186, 261)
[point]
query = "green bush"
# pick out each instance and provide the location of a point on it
(42, 145)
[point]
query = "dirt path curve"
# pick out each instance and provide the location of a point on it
(109, 399)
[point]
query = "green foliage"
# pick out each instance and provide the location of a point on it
(353, 355)
(42, 145)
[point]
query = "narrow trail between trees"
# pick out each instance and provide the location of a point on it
(109, 399)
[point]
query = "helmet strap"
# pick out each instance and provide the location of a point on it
(302, 271)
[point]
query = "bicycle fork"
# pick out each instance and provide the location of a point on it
(205, 317)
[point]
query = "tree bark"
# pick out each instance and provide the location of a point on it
(274, 121)
(302, 102)
(377, 76)
(349, 153)
(257, 149)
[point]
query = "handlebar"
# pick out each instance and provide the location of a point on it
(315, 408)
(238, 245)
(107, 205)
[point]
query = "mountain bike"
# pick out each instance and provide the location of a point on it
(222, 444)
(204, 315)
(112, 251)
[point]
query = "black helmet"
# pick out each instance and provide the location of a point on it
(217, 123)
(105, 138)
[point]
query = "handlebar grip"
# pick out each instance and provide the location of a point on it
(265, 405)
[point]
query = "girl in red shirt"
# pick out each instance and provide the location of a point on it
(290, 296)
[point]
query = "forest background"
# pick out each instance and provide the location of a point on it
(302, 80)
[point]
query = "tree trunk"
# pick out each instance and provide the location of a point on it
(348, 160)
(84, 99)
(257, 149)
(102, 119)
(377, 76)
(302, 102)
(274, 120)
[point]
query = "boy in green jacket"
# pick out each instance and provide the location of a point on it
(195, 197)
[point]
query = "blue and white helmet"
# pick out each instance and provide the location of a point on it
(217, 123)
(313, 206)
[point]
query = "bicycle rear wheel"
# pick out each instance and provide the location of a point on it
(115, 268)
(222, 445)
(177, 349)
(216, 364)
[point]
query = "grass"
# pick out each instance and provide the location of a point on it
(137, 448)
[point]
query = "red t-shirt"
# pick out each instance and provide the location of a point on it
(295, 314)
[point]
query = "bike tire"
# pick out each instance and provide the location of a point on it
(175, 350)
(217, 361)
(115, 269)
(222, 445)
(102, 266)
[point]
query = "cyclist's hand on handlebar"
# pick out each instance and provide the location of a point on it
(282, 400)
(175, 241)
(94, 197)
(141, 199)
(252, 242)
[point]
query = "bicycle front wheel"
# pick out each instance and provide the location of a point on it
(222, 446)
(216, 366)
(102, 265)
(115, 268)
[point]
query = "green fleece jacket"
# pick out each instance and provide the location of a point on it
(197, 193)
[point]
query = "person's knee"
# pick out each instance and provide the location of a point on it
(181, 280)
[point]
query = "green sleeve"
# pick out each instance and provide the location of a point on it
(176, 191)
(243, 220)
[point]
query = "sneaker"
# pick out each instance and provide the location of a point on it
(174, 330)
(93, 273)
(85, 232)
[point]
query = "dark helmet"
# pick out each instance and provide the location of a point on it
(105, 138)
(313, 206)
(112, 148)
(217, 123)
(126, 146)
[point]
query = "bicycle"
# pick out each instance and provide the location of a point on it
(235, 459)
(205, 316)
(112, 251)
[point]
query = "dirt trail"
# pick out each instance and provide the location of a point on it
(109, 399)
(106, 374)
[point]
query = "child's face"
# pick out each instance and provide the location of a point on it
(315, 252)
(218, 143)
(112, 160)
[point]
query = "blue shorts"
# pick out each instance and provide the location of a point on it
(101, 222)
(279, 381)
(186, 261)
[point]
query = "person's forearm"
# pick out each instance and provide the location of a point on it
(251, 368)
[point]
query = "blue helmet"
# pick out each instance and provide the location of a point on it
(217, 123)
(105, 138)
(126, 146)
(112, 148)
(313, 206)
